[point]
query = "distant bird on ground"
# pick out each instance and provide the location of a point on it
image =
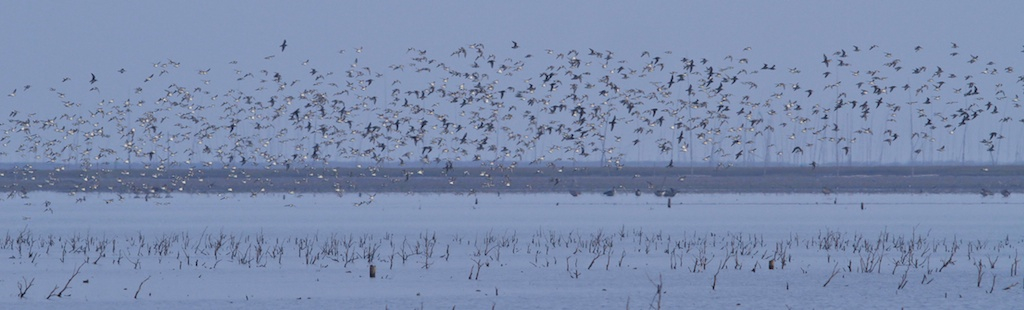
(671, 192)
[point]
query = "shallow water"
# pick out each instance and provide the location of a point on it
(947, 214)
(537, 251)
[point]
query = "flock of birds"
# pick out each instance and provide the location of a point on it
(508, 107)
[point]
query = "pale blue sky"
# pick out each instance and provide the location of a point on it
(43, 39)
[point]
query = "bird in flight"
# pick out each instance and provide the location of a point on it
(515, 44)
(284, 44)
(93, 80)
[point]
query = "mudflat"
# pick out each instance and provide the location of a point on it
(985, 180)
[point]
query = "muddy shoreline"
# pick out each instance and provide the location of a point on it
(639, 180)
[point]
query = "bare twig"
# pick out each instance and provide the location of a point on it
(659, 289)
(835, 271)
(981, 267)
(67, 284)
(53, 292)
(903, 280)
(140, 287)
(24, 285)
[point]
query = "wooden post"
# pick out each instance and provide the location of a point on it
(670, 203)
(373, 271)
